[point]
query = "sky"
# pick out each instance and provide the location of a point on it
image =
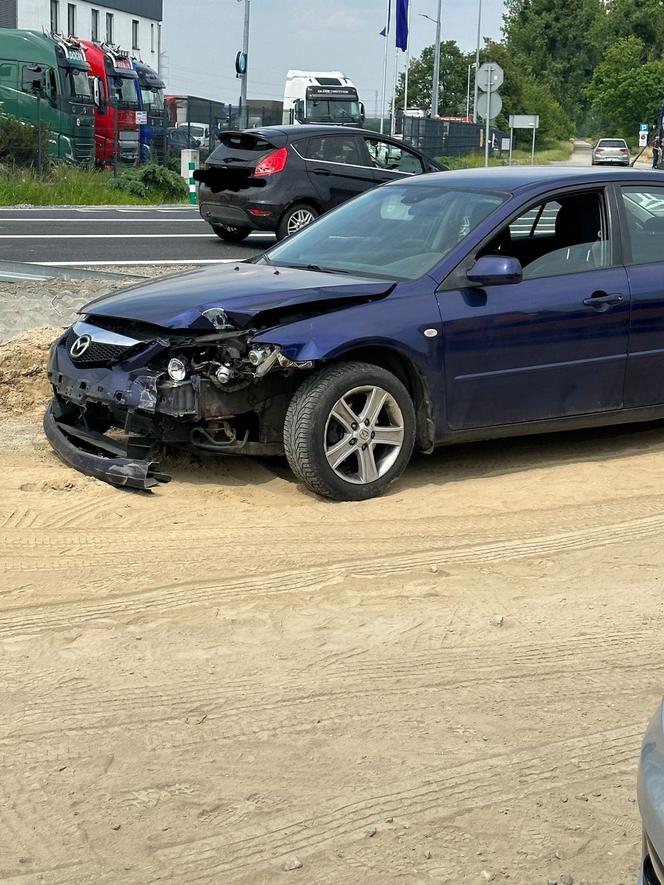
(201, 38)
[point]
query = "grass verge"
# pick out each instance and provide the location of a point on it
(69, 186)
(551, 152)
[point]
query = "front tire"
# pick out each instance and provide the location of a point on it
(294, 219)
(350, 431)
(231, 234)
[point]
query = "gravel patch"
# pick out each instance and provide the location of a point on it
(54, 303)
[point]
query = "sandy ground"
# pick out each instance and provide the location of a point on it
(229, 677)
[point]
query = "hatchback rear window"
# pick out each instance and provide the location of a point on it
(612, 142)
(245, 141)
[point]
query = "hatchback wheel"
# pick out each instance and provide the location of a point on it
(350, 431)
(295, 218)
(231, 234)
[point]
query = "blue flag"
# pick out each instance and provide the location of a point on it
(402, 24)
(386, 29)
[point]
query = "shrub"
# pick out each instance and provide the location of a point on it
(20, 142)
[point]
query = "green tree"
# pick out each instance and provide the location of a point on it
(643, 19)
(625, 92)
(556, 42)
(452, 84)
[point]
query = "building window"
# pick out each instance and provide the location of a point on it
(134, 34)
(94, 29)
(71, 19)
(55, 9)
(109, 27)
(151, 38)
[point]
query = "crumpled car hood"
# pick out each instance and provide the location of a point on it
(242, 290)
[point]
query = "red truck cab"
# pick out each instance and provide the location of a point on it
(116, 103)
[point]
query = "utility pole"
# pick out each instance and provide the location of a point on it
(436, 64)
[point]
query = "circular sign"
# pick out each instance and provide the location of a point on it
(241, 63)
(492, 73)
(483, 109)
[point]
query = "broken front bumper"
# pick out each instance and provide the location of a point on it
(129, 465)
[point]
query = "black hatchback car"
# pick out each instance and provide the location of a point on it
(281, 178)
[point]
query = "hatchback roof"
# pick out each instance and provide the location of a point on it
(314, 129)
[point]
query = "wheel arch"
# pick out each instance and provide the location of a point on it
(394, 361)
(314, 202)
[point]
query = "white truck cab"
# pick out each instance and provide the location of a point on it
(321, 97)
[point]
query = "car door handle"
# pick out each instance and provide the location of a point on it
(321, 171)
(601, 299)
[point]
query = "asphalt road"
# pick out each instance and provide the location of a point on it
(116, 237)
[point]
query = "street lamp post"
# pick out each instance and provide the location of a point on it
(477, 59)
(244, 120)
(435, 100)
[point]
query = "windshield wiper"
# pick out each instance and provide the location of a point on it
(318, 269)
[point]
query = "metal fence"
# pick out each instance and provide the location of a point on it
(452, 138)
(132, 138)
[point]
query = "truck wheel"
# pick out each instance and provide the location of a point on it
(295, 218)
(349, 431)
(231, 234)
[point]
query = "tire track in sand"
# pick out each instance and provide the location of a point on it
(29, 620)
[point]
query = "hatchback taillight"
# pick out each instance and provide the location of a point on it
(624, 151)
(274, 162)
(599, 150)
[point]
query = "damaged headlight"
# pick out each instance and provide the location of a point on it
(177, 371)
(259, 354)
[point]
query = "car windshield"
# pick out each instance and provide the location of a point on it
(612, 142)
(123, 90)
(322, 110)
(399, 232)
(79, 85)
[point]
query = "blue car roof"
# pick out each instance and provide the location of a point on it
(513, 178)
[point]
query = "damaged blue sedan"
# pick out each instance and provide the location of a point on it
(441, 309)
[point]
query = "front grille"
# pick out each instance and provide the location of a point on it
(97, 354)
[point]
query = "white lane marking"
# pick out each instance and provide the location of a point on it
(104, 236)
(146, 263)
(33, 220)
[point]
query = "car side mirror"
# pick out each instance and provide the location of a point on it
(495, 270)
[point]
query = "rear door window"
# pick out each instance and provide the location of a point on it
(332, 149)
(644, 208)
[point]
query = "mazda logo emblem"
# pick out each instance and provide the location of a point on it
(79, 346)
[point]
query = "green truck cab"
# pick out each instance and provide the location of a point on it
(44, 80)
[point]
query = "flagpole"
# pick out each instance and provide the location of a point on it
(405, 82)
(394, 91)
(382, 97)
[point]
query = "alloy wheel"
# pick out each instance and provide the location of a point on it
(364, 434)
(300, 218)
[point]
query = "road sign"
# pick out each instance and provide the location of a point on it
(483, 105)
(643, 138)
(490, 74)
(524, 121)
(643, 127)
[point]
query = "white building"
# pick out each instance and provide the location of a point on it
(133, 25)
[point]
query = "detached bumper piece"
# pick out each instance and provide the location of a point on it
(127, 466)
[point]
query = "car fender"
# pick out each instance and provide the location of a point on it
(351, 334)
